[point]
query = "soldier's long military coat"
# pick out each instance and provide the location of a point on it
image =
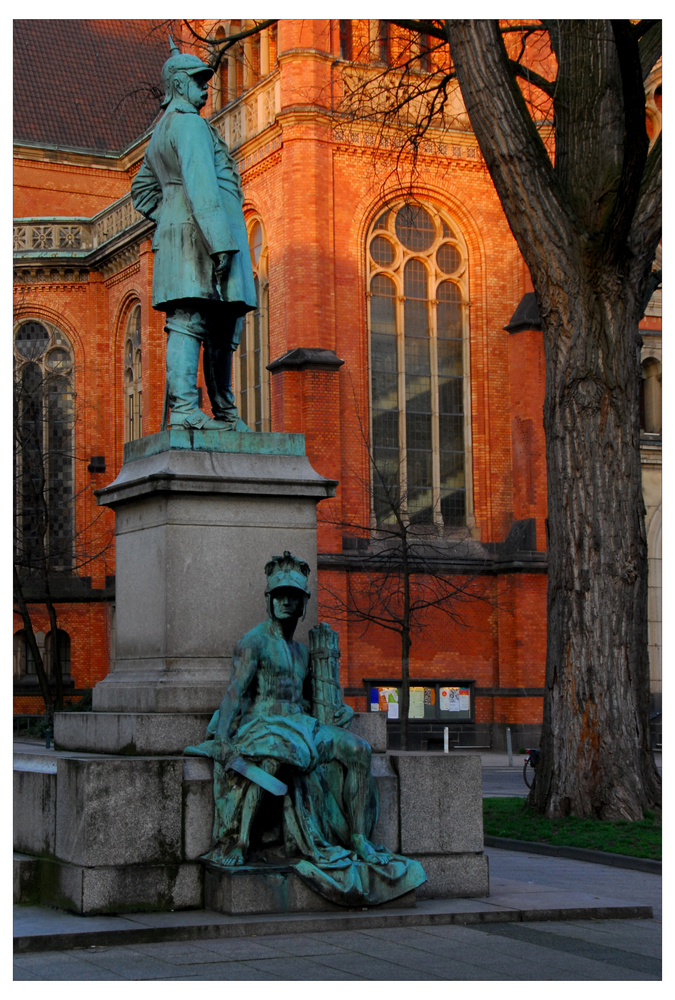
(189, 186)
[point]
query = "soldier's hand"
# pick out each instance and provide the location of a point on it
(222, 267)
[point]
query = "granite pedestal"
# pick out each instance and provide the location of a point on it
(198, 513)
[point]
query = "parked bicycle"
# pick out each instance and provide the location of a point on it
(529, 767)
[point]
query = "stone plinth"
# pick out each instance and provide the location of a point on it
(103, 834)
(128, 732)
(34, 810)
(371, 727)
(270, 889)
(441, 821)
(198, 513)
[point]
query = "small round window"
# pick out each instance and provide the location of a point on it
(382, 251)
(447, 258)
(31, 340)
(415, 227)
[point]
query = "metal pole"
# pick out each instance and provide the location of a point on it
(446, 740)
(508, 745)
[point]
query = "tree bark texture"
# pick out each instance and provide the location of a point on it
(588, 229)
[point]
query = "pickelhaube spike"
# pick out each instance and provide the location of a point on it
(180, 62)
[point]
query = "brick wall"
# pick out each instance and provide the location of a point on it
(317, 195)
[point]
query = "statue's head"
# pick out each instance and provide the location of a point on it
(287, 573)
(181, 66)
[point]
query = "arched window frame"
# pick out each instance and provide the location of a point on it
(133, 376)
(44, 446)
(345, 40)
(446, 231)
(251, 378)
(650, 397)
(64, 653)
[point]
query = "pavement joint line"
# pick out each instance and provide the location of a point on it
(576, 854)
(224, 927)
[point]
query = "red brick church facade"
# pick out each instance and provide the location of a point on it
(390, 311)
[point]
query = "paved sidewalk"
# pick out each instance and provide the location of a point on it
(535, 925)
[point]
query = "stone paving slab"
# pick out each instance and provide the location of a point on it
(495, 951)
(40, 929)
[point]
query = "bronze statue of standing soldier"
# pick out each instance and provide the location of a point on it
(202, 279)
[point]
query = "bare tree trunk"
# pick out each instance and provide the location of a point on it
(57, 667)
(406, 640)
(404, 706)
(30, 639)
(588, 229)
(596, 758)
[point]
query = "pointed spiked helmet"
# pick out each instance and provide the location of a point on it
(180, 62)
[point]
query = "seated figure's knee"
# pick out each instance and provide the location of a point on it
(351, 749)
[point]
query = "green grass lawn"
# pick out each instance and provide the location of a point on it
(510, 817)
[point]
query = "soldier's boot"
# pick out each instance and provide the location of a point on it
(218, 361)
(182, 366)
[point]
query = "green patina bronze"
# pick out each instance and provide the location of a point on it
(202, 276)
(188, 439)
(284, 714)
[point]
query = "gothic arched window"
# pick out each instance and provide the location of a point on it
(251, 378)
(44, 447)
(63, 640)
(650, 397)
(133, 371)
(418, 295)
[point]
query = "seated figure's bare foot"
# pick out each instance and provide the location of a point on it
(367, 852)
(233, 858)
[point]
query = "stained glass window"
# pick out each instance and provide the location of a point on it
(133, 389)
(418, 344)
(44, 448)
(251, 378)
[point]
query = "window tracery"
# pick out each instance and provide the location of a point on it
(251, 378)
(133, 377)
(418, 296)
(44, 447)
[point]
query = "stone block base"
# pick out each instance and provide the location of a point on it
(114, 834)
(453, 876)
(35, 805)
(26, 880)
(134, 733)
(270, 890)
(110, 889)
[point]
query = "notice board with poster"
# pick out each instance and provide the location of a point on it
(430, 700)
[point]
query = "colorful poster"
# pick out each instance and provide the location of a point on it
(374, 700)
(388, 702)
(429, 696)
(444, 704)
(449, 701)
(416, 710)
(464, 700)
